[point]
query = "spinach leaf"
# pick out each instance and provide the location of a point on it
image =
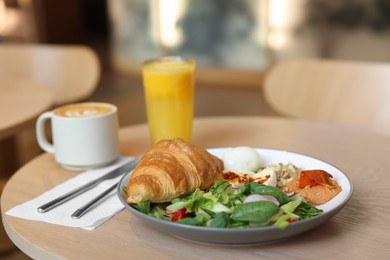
(255, 188)
(198, 220)
(189, 221)
(221, 220)
(306, 210)
(257, 211)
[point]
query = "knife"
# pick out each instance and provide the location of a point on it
(70, 195)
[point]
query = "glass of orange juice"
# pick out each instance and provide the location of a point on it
(169, 95)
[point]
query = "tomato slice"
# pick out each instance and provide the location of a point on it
(180, 214)
(315, 177)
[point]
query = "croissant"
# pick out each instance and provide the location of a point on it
(170, 169)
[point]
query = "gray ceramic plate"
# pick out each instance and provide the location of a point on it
(258, 234)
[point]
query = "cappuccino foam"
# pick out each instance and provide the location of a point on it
(84, 110)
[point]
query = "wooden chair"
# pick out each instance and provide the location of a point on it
(70, 72)
(356, 93)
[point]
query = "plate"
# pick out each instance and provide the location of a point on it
(255, 234)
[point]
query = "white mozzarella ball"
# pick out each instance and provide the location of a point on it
(241, 158)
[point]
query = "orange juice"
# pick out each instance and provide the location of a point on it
(169, 95)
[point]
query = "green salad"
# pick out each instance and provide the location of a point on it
(222, 206)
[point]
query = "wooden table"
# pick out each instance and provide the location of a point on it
(20, 104)
(360, 231)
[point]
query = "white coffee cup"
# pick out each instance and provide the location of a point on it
(85, 135)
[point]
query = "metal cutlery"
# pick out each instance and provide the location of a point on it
(72, 194)
(81, 211)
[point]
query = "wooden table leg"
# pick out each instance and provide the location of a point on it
(8, 165)
(8, 157)
(6, 244)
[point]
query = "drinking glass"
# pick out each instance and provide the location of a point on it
(169, 95)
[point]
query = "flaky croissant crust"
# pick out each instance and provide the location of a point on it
(170, 169)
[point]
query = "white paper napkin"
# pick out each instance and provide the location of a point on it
(61, 215)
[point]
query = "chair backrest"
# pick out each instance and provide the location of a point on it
(70, 72)
(349, 92)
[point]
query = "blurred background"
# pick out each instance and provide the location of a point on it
(234, 42)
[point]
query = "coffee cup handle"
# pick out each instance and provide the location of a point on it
(40, 131)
